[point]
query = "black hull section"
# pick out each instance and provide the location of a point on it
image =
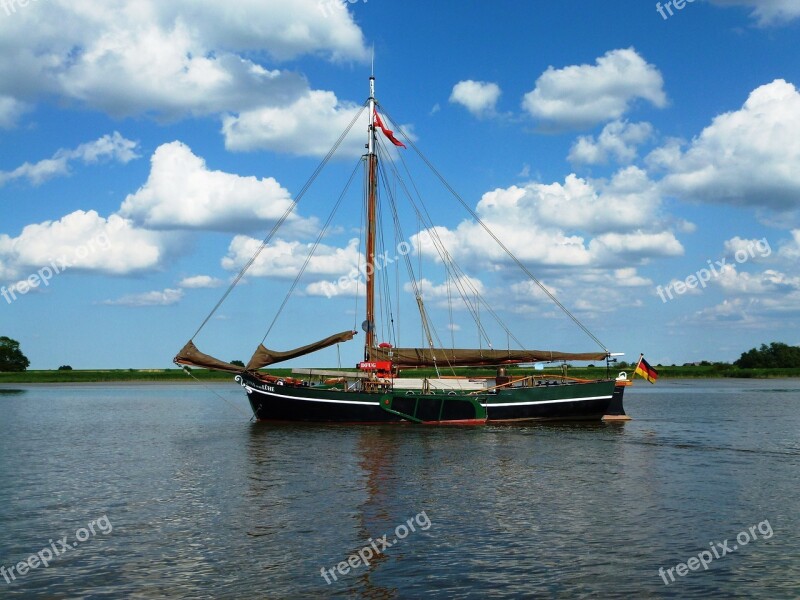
(564, 402)
(615, 409)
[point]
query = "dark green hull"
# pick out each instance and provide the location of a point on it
(572, 401)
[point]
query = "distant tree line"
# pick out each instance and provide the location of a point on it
(11, 357)
(774, 356)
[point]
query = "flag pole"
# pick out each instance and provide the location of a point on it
(636, 368)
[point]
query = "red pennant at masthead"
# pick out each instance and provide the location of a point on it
(387, 132)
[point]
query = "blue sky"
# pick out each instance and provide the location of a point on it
(621, 153)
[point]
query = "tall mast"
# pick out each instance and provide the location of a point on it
(372, 199)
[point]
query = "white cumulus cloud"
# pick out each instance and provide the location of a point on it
(86, 241)
(112, 147)
(584, 95)
(165, 297)
(283, 258)
(308, 126)
(618, 141)
(478, 97)
(623, 214)
(767, 12)
(169, 59)
(748, 157)
(181, 192)
(200, 282)
(10, 111)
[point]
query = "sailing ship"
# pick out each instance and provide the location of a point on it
(379, 390)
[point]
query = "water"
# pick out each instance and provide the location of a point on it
(199, 503)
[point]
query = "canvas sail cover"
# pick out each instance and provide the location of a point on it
(425, 357)
(192, 357)
(264, 356)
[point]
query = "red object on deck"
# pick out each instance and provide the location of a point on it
(380, 365)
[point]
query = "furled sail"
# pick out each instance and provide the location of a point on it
(192, 357)
(425, 357)
(264, 356)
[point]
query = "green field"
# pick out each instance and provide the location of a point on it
(178, 375)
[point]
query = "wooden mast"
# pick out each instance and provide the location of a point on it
(372, 199)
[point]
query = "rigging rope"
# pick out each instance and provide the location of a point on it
(312, 251)
(430, 336)
(505, 249)
(460, 279)
(188, 371)
(280, 221)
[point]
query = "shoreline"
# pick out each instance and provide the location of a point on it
(179, 377)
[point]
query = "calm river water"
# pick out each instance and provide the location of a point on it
(167, 491)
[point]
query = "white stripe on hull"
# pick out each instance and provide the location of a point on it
(489, 405)
(325, 400)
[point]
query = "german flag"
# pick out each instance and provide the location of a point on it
(645, 370)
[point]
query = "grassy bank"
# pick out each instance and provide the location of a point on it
(177, 375)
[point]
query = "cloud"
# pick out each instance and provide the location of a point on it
(181, 192)
(767, 12)
(612, 247)
(628, 200)
(580, 287)
(84, 241)
(345, 287)
(791, 250)
(583, 95)
(771, 281)
(284, 259)
(752, 311)
(749, 157)
(200, 282)
(478, 97)
(454, 294)
(308, 126)
(470, 286)
(10, 111)
(618, 141)
(165, 297)
(169, 59)
(623, 214)
(111, 147)
(744, 250)
(527, 292)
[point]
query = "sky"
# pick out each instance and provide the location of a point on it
(641, 159)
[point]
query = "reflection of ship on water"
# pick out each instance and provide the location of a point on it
(327, 509)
